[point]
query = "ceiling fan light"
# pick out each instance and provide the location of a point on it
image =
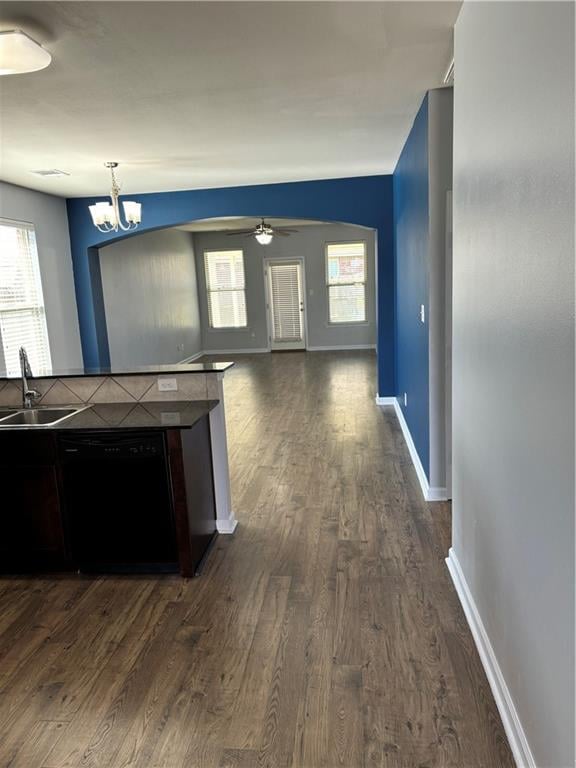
(264, 238)
(19, 53)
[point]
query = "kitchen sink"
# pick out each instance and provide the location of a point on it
(6, 412)
(39, 417)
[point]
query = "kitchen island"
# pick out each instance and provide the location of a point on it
(133, 477)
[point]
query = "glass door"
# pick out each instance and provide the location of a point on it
(285, 304)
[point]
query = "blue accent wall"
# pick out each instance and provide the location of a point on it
(366, 201)
(411, 233)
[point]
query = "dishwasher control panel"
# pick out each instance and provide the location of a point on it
(110, 445)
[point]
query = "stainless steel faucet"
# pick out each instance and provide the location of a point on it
(28, 395)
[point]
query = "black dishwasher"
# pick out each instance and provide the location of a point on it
(118, 502)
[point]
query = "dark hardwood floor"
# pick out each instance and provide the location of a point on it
(325, 633)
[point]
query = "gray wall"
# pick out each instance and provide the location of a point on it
(151, 298)
(513, 351)
(440, 118)
(308, 244)
(48, 214)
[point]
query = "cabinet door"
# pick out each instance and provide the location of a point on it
(31, 533)
(190, 456)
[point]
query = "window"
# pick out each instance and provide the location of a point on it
(22, 315)
(346, 278)
(225, 286)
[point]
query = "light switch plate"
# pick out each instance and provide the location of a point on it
(422, 314)
(405, 399)
(167, 385)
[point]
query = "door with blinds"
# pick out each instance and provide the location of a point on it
(284, 282)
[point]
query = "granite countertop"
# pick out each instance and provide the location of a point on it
(165, 415)
(143, 370)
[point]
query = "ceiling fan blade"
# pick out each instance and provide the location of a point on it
(282, 233)
(240, 232)
(286, 231)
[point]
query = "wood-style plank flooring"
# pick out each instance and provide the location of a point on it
(325, 633)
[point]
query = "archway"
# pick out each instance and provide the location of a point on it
(159, 309)
(364, 201)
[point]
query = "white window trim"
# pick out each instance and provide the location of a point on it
(353, 323)
(228, 328)
(208, 291)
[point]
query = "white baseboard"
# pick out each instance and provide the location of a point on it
(423, 480)
(510, 720)
(385, 400)
(255, 351)
(437, 493)
(430, 493)
(191, 359)
(227, 526)
(337, 348)
(260, 350)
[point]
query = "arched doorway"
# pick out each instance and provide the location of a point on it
(160, 308)
(364, 201)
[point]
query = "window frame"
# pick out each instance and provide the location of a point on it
(355, 323)
(40, 307)
(208, 291)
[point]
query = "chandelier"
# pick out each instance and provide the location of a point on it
(106, 216)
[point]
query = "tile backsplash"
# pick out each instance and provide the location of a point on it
(113, 389)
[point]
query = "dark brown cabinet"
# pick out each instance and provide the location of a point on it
(44, 518)
(31, 531)
(190, 460)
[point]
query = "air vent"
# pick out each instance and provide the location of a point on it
(50, 172)
(449, 76)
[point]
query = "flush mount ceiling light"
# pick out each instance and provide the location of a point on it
(19, 53)
(106, 216)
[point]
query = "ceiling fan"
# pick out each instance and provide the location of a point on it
(263, 232)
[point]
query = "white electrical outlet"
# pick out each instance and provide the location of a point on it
(167, 385)
(405, 399)
(422, 314)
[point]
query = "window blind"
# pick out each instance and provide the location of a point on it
(286, 295)
(22, 314)
(225, 285)
(346, 278)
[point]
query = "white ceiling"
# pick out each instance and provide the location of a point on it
(205, 94)
(232, 223)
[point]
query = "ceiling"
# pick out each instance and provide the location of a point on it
(232, 223)
(206, 94)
